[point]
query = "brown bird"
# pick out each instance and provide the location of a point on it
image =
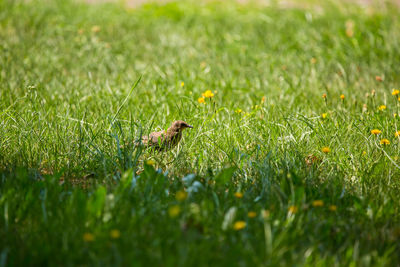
(165, 140)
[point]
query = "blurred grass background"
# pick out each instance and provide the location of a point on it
(74, 190)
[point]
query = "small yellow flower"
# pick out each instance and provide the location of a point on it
(342, 96)
(251, 214)
(201, 100)
(398, 98)
(239, 225)
(95, 28)
(384, 141)
(349, 28)
(182, 84)
(326, 150)
(263, 99)
(324, 115)
(208, 94)
(364, 153)
(174, 211)
(332, 208)
(397, 133)
(238, 194)
(181, 195)
(313, 60)
(88, 237)
(318, 203)
(324, 96)
(382, 107)
(394, 115)
(395, 92)
(349, 32)
(238, 111)
(293, 209)
(115, 234)
(151, 162)
(376, 131)
(265, 214)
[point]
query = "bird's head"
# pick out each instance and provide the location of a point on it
(180, 125)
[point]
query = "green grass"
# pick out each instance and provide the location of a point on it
(75, 191)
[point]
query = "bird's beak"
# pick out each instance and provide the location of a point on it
(190, 126)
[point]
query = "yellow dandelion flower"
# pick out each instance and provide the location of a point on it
(95, 28)
(384, 141)
(251, 214)
(115, 234)
(317, 203)
(238, 111)
(208, 94)
(263, 99)
(332, 208)
(182, 84)
(238, 194)
(349, 28)
(201, 100)
(324, 96)
(181, 195)
(174, 211)
(293, 209)
(265, 214)
(326, 150)
(88, 237)
(397, 134)
(364, 153)
(239, 225)
(349, 32)
(382, 107)
(394, 115)
(395, 92)
(342, 96)
(376, 131)
(398, 98)
(151, 162)
(324, 115)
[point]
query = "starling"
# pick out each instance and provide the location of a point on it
(166, 140)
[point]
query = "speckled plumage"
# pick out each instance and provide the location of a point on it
(166, 140)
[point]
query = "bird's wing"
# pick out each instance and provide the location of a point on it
(156, 138)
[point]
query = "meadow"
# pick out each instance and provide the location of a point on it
(293, 159)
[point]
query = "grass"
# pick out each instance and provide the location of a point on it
(249, 185)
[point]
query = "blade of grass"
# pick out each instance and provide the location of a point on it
(123, 103)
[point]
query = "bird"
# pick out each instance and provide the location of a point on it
(165, 140)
